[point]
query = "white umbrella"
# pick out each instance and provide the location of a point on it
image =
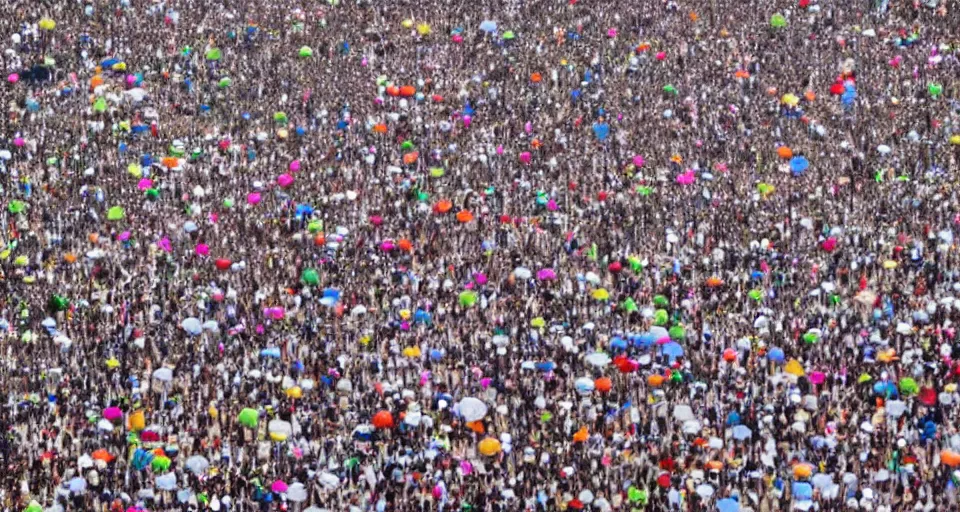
(598, 359)
(522, 273)
(705, 490)
(211, 325)
(682, 413)
(501, 340)
(296, 492)
(883, 149)
(896, 408)
(741, 432)
(105, 425)
(584, 385)
(691, 427)
(280, 427)
(586, 496)
(822, 480)
(163, 374)
(192, 325)
(167, 481)
(198, 464)
(472, 409)
(85, 461)
(329, 481)
(358, 310)
(136, 94)
(77, 485)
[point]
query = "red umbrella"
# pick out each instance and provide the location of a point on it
(223, 264)
(383, 420)
(928, 396)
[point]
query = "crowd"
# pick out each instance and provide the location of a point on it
(531, 255)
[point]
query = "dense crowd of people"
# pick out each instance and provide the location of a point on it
(481, 256)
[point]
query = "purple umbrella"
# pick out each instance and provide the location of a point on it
(546, 274)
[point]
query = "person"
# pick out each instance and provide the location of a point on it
(525, 255)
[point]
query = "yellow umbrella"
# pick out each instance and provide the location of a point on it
(113, 363)
(794, 368)
(47, 24)
(601, 294)
(790, 99)
(424, 29)
(538, 322)
(407, 23)
(413, 351)
(890, 264)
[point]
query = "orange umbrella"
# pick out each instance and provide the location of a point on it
(476, 426)
(714, 465)
(382, 420)
(464, 216)
(393, 90)
(407, 91)
(581, 435)
(96, 81)
(405, 245)
(410, 157)
(603, 384)
(810, 95)
(950, 458)
(170, 162)
(714, 282)
(655, 380)
(536, 77)
(741, 74)
(319, 240)
(785, 152)
(380, 128)
(70, 258)
(443, 206)
(103, 455)
(93, 237)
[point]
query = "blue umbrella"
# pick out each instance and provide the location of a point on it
(798, 164)
(421, 317)
(108, 63)
(618, 343)
(488, 26)
(672, 350)
(728, 505)
(802, 491)
(646, 339)
(304, 210)
(436, 355)
(776, 355)
(601, 130)
(546, 366)
(141, 459)
(272, 352)
(733, 418)
(330, 297)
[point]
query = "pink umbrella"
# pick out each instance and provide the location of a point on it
(817, 378)
(295, 166)
(686, 178)
(552, 205)
(253, 197)
(284, 180)
(467, 119)
(376, 220)
(279, 486)
(546, 274)
(145, 183)
(638, 161)
(275, 313)
(480, 279)
(387, 246)
(526, 157)
(19, 142)
(113, 414)
(203, 249)
(165, 245)
(123, 237)
(13, 78)
(830, 244)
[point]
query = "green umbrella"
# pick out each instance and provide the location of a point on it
(33, 507)
(153, 194)
(248, 418)
(437, 172)
(407, 145)
(100, 105)
(468, 298)
(545, 417)
(315, 226)
(660, 317)
(305, 51)
(59, 303)
(636, 495)
(213, 54)
(660, 301)
(635, 264)
(280, 117)
(669, 89)
(755, 294)
(176, 150)
(935, 89)
(508, 35)
(644, 190)
(908, 386)
(225, 82)
(16, 206)
(310, 277)
(810, 337)
(677, 333)
(115, 213)
(778, 21)
(629, 305)
(160, 464)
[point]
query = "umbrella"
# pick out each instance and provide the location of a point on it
(597, 359)
(741, 432)
(672, 350)
(776, 355)
(279, 486)
(198, 464)
(248, 417)
(682, 413)
(705, 490)
(77, 485)
(472, 409)
(546, 274)
(822, 480)
(329, 480)
(728, 505)
(167, 481)
(798, 164)
(488, 26)
(163, 374)
(522, 273)
(296, 492)
(192, 325)
(802, 491)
